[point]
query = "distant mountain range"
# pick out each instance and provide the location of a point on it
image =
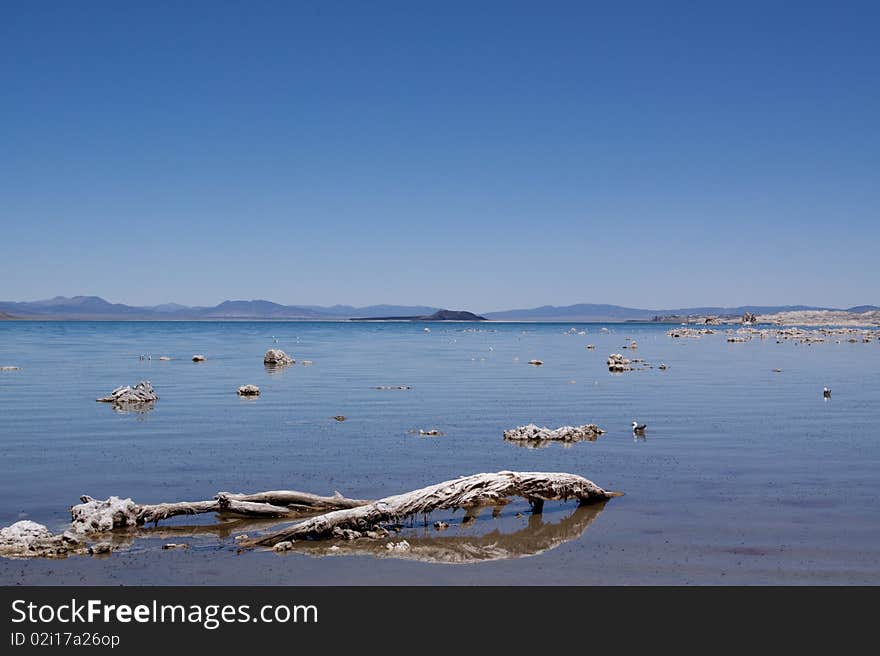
(96, 308)
(594, 312)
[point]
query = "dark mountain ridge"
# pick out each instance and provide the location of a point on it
(96, 308)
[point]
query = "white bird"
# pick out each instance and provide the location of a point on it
(639, 429)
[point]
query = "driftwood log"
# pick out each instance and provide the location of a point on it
(98, 516)
(465, 492)
(116, 522)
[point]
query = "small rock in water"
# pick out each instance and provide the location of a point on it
(306, 363)
(164, 357)
(339, 417)
(199, 358)
(565, 433)
(10, 368)
(248, 390)
(591, 347)
(124, 395)
(617, 363)
(100, 548)
(393, 387)
(277, 358)
(239, 538)
(287, 545)
(433, 432)
(537, 363)
(175, 545)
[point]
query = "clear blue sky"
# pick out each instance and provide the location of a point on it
(466, 154)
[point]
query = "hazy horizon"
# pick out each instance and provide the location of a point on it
(478, 310)
(484, 157)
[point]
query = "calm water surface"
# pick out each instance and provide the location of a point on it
(746, 475)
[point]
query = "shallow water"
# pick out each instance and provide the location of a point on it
(745, 475)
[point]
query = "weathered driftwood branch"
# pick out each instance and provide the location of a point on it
(222, 504)
(348, 518)
(293, 499)
(465, 492)
(98, 516)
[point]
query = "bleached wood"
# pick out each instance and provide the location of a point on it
(465, 492)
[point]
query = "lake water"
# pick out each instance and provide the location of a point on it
(746, 475)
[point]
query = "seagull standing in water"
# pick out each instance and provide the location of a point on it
(639, 429)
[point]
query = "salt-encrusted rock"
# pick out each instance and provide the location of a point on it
(24, 531)
(140, 393)
(403, 545)
(22, 536)
(27, 539)
(694, 333)
(248, 390)
(175, 545)
(100, 548)
(616, 362)
(749, 318)
(277, 358)
(287, 545)
(537, 363)
(199, 358)
(97, 516)
(564, 433)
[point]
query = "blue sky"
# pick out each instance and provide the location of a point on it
(477, 155)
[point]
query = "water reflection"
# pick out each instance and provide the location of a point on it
(275, 369)
(461, 542)
(543, 444)
(133, 408)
